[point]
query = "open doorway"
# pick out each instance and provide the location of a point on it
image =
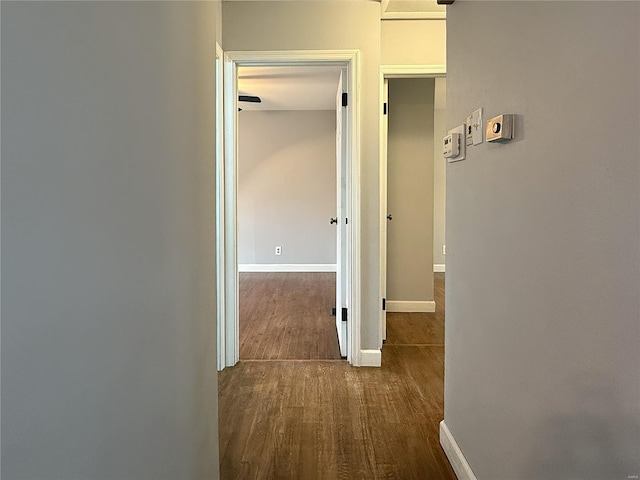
(412, 191)
(288, 182)
(240, 252)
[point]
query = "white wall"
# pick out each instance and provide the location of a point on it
(410, 189)
(413, 42)
(108, 287)
(287, 187)
(542, 366)
(282, 25)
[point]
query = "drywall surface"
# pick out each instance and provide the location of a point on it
(325, 26)
(287, 187)
(439, 169)
(542, 366)
(108, 287)
(410, 189)
(413, 42)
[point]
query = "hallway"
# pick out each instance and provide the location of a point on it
(325, 419)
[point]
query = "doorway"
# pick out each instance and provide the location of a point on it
(347, 214)
(288, 183)
(414, 213)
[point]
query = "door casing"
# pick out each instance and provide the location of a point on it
(228, 286)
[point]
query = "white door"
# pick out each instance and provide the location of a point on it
(342, 274)
(383, 204)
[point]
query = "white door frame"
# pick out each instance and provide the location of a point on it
(386, 72)
(220, 218)
(342, 254)
(228, 342)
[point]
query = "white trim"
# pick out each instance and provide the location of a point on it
(404, 71)
(287, 267)
(370, 358)
(426, 306)
(393, 71)
(414, 16)
(345, 58)
(454, 454)
(220, 218)
(382, 175)
(232, 327)
(438, 267)
(293, 57)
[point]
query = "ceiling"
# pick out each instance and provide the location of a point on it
(412, 9)
(289, 88)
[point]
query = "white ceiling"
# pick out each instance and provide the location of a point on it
(289, 88)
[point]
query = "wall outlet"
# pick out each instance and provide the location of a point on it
(444, 249)
(278, 250)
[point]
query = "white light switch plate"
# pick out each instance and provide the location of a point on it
(475, 128)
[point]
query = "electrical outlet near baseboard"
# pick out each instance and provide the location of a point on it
(278, 250)
(444, 249)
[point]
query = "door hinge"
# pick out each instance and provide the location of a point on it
(344, 314)
(333, 312)
(346, 221)
(384, 108)
(344, 99)
(384, 304)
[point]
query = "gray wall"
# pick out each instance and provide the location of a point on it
(543, 261)
(439, 169)
(326, 25)
(287, 186)
(410, 189)
(108, 288)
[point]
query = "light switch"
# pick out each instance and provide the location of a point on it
(474, 130)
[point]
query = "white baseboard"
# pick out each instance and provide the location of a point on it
(411, 307)
(438, 267)
(287, 267)
(370, 358)
(454, 454)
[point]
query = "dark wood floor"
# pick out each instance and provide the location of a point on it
(327, 420)
(288, 316)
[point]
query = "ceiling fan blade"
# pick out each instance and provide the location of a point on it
(249, 98)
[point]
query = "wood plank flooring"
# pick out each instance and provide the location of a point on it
(419, 328)
(288, 316)
(327, 420)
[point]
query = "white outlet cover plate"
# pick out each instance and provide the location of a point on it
(477, 127)
(469, 130)
(463, 147)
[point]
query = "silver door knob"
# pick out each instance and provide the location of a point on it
(334, 220)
